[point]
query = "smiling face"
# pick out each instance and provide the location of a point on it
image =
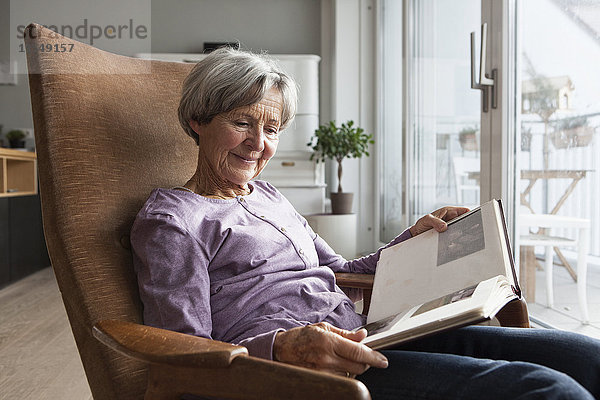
(237, 145)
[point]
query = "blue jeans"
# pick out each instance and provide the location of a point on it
(482, 362)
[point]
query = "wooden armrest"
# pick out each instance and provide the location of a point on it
(514, 314)
(358, 281)
(252, 378)
(156, 345)
(182, 364)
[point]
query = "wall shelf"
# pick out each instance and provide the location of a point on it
(18, 173)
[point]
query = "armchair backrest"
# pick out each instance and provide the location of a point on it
(106, 133)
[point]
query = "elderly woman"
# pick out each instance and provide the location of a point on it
(227, 257)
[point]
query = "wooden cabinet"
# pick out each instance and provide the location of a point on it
(18, 173)
(22, 244)
(4, 243)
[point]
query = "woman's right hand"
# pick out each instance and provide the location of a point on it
(437, 220)
(327, 348)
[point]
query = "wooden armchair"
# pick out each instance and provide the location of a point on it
(107, 134)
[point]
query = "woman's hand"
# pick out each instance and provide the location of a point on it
(327, 348)
(436, 219)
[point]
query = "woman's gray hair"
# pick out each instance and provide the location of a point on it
(227, 79)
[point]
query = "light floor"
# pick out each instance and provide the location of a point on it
(566, 314)
(39, 360)
(38, 357)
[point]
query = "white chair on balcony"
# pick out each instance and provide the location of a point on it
(546, 222)
(466, 178)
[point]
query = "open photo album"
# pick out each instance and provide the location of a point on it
(438, 281)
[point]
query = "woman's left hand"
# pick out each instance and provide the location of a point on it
(437, 220)
(325, 347)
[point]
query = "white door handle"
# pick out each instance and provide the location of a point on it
(485, 81)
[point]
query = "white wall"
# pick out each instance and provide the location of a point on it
(348, 93)
(282, 27)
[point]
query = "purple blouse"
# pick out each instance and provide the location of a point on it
(238, 270)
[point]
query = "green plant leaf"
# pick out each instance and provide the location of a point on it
(339, 142)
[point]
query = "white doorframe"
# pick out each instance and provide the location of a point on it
(498, 136)
(348, 82)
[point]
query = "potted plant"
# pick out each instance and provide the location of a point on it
(468, 138)
(15, 138)
(337, 143)
(572, 132)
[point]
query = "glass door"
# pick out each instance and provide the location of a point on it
(558, 179)
(436, 160)
(535, 145)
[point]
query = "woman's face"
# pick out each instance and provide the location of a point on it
(239, 143)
